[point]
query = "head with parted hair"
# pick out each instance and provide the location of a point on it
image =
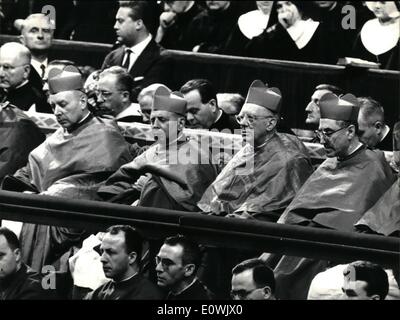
(135, 20)
(253, 279)
(312, 109)
(177, 262)
(121, 249)
(202, 108)
(364, 280)
(37, 33)
(10, 253)
(371, 122)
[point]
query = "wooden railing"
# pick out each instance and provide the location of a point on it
(208, 230)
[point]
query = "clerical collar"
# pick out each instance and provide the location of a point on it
(22, 84)
(385, 132)
(75, 126)
(219, 116)
(184, 289)
(126, 279)
(357, 149)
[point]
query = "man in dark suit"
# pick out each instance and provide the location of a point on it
(37, 35)
(140, 55)
(15, 86)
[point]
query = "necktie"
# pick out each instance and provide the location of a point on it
(127, 59)
(42, 66)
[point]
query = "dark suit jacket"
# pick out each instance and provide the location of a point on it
(151, 65)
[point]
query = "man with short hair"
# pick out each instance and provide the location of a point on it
(312, 109)
(264, 176)
(202, 108)
(17, 280)
(140, 55)
(121, 250)
(253, 280)
(71, 163)
(337, 194)
(145, 99)
(37, 32)
(181, 169)
(365, 280)
(373, 131)
(15, 86)
(114, 90)
(177, 263)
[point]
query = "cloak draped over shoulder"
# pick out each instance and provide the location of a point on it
(281, 166)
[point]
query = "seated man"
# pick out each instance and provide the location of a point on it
(71, 163)
(15, 87)
(17, 281)
(336, 195)
(329, 284)
(373, 131)
(114, 95)
(121, 250)
(140, 55)
(202, 108)
(264, 176)
(181, 169)
(177, 263)
(312, 109)
(253, 280)
(19, 136)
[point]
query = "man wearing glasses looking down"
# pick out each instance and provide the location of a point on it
(337, 194)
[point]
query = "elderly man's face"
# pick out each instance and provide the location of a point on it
(9, 259)
(255, 123)
(334, 138)
(69, 107)
(125, 27)
(37, 34)
(115, 259)
(199, 115)
(165, 125)
(109, 97)
(169, 267)
(14, 69)
(312, 109)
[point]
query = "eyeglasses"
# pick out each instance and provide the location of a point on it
(105, 94)
(165, 263)
(251, 119)
(9, 68)
(324, 134)
(242, 294)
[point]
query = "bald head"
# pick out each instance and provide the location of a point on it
(15, 61)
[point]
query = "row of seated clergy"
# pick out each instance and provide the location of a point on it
(71, 163)
(337, 194)
(178, 178)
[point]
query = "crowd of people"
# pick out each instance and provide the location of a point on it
(271, 178)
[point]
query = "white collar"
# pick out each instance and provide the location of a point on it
(138, 48)
(36, 64)
(219, 116)
(385, 132)
(378, 38)
(302, 32)
(132, 110)
(253, 23)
